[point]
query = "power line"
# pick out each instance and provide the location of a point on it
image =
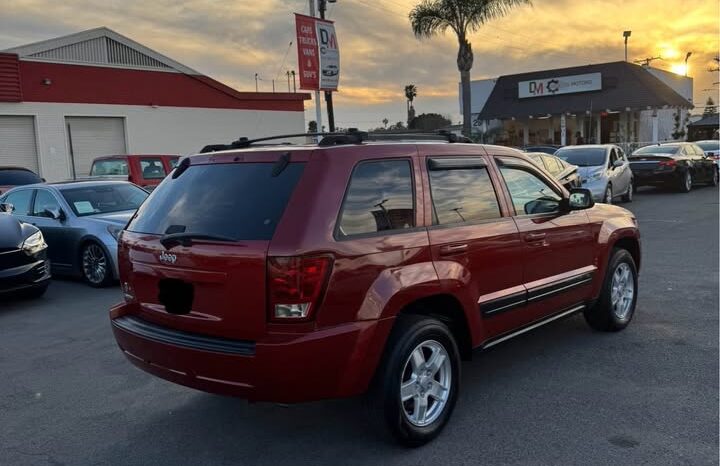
(283, 61)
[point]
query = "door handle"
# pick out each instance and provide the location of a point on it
(534, 237)
(453, 249)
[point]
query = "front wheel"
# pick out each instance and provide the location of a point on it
(95, 265)
(415, 388)
(608, 198)
(616, 306)
(686, 182)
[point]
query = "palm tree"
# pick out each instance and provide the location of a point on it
(410, 94)
(385, 122)
(432, 17)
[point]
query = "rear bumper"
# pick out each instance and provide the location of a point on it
(33, 275)
(656, 177)
(284, 367)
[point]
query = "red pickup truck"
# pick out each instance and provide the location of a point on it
(146, 171)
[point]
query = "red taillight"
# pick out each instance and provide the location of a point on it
(295, 286)
(667, 163)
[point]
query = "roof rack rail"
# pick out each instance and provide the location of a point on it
(351, 136)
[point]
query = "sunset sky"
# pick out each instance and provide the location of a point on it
(233, 40)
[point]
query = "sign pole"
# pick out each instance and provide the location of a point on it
(318, 109)
(328, 94)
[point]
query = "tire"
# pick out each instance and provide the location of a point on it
(609, 316)
(628, 197)
(95, 265)
(415, 338)
(608, 197)
(686, 182)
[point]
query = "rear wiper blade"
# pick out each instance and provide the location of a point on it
(186, 239)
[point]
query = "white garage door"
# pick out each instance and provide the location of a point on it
(17, 142)
(91, 137)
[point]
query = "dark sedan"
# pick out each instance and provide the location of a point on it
(680, 165)
(24, 268)
(81, 222)
(566, 173)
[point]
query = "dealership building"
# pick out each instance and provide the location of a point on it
(67, 100)
(615, 102)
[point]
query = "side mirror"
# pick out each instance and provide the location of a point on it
(617, 164)
(54, 212)
(6, 207)
(579, 199)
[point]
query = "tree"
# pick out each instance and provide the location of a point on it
(410, 94)
(710, 108)
(429, 122)
(433, 17)
(312, 126)
(385, 122)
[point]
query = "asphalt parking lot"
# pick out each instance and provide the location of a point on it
(562, 395)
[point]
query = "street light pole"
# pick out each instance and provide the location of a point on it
(322, 4)
(626, 34)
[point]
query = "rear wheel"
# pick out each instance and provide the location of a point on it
(95, 265)
(628, 197)
(686, 182)
(616, 306)
(416, 385)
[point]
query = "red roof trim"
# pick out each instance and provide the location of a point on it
(104, 85)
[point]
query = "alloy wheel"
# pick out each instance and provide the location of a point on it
(425, 383)
(622, 291)
(94, 264)
(688, 181)
(608, 195)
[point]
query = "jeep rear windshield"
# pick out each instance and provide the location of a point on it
(243, 201)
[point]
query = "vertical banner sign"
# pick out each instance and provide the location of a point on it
(329, 56)
(307, 47)
(318, 53)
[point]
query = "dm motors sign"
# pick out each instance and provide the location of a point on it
(318, 53)
(560, 85)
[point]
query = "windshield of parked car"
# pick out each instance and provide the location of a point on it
(657, 150)
(102, 199)
(13, 177)
(585, 157)
(704, 145)
(109, 167)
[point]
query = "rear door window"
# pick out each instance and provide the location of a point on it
(462, 195)
(379, 199)
(152, 168)
(21, 201)
(243, 201)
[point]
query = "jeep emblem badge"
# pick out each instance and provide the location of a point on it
(167, 258)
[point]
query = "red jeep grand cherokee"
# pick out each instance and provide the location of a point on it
(300, 273)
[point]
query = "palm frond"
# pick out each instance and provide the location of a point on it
(482, 11)
(428, 18)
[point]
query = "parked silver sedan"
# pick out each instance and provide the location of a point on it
(80, 221)
(604, 170)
